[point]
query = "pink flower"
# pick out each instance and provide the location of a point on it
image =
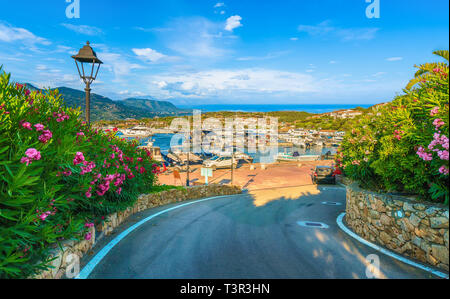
(34, 154)
(79, 158)
(434, 111)
(46, 136)
(39, 127)
(102, 189)
(25, 160)
(88, 194)
(424, 155)
(444, 170)
(438, 123)
(27, 126)
(119, 190)
(89, 166)
(443, 155)
(88, 236)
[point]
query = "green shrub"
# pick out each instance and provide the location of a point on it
(57, 176)
(403, 145)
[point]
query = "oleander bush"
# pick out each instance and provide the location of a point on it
(402, 146)
(58, 177)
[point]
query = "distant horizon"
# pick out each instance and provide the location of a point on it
(209, 107)
(254, 108)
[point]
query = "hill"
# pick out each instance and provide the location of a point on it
(103, 108)
(151, 105)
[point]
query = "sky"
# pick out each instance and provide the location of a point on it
(193, 52)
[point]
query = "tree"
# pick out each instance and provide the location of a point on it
(425, 69)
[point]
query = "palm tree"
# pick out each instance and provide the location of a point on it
(426, 69)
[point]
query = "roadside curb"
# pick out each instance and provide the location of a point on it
(342, 226)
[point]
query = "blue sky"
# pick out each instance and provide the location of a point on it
(227, 51)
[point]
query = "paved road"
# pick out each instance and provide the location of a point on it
(253, 235)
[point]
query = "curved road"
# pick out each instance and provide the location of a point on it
(253, 235)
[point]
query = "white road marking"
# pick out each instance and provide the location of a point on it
(331, 203)
(87, 270)
(312, 224)
(342, 226)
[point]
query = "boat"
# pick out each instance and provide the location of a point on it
(295, 157)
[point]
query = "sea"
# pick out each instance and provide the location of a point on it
(163, 142)
(269, 108)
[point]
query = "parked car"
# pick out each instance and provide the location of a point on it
(323, 175)
(219, 162)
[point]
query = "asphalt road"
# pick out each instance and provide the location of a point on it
(253, 236)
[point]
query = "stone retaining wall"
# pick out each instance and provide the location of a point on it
(415, 229)
(73, 249)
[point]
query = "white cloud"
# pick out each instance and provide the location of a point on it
(333, 62)
(83, 29)
(223, 82)
(233, 22)
(220, 4)
(379, 74)
(394, 58)
(148, 54)
(11, 34)
(118, 64)
(196, 37)
(294, 38)
(266, 57)
(345, 34)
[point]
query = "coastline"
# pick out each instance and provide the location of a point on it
(251, 108)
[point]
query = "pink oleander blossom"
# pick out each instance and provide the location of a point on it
(39, 127)
(33, 154)
(88, 237)
(27, 126)
(424, 155)
(434, 111)
(444, 170)
(46, 136)
(443, 155)
(438, 123)
(79, 158)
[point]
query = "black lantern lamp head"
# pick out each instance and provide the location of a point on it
(85, 57)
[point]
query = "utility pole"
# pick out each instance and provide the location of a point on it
(188, 170)
(232, 167)
(188, 138)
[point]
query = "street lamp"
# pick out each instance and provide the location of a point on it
(87, 56)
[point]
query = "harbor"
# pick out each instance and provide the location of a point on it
(160, 146)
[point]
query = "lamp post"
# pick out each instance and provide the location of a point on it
(87, 56)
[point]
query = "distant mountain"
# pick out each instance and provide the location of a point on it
(30, 86)
(152, 105)
(103, 108)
